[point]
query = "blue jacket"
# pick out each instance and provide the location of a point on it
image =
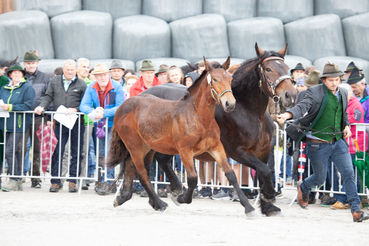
(20, 98)
(113, 99)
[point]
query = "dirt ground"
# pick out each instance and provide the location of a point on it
(37, 217)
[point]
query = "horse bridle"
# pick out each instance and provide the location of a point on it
(214, 93)
(272, 85)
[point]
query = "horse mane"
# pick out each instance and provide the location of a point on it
(196, 83)
(246, 77)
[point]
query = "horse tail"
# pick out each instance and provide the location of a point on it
(118, 152)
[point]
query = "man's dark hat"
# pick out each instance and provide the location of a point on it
(331, 70)
(15, 67)
(31, 56)
(5, 63)
(299, 66)
(116, 64)
(355, 76)
(351, 66)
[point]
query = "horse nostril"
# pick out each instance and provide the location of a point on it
(287, 95)
(227, 104)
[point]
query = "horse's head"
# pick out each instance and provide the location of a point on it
(220, 83)
(274, 76)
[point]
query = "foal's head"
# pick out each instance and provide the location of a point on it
(219, 81)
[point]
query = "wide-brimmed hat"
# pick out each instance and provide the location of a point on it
(31, 56)
(15, 67)
(355, 76)
(331, 70)
(116, 64)
(312, 79)
(163, 68)
(299, 66)
(147, 66)
(100, 68)
(351, 66)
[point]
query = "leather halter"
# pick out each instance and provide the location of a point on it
(214, 93)
(272, 85)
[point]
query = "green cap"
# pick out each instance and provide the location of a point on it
(31, 56)
(147, 66)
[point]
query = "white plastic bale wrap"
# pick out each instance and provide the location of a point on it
(231, 9)
(117, 8)
(234, 61)
(343, 8)
(21, 31)
(286, 10)
(316, 37)
(50, 7)
(266, 31)
(127, 64)
(137, 37)
(203, 35)
(292, 61)
(82, 34)
(156, 62)
(170, 10)
(49, 65)
(342, 62)
(356, 31)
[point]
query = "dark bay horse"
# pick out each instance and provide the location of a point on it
(145, 123)
(246, 132)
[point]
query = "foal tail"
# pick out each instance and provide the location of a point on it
(117, 150)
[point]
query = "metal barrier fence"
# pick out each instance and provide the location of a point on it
(77, 145)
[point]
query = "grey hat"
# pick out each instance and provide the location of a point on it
(331, 70)
(116, 64)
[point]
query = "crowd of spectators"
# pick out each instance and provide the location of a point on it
(97, 93)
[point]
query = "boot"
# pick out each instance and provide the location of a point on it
(359, 216)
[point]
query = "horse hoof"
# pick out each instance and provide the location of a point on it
(174, 199)
(116, 204)
(251, 214)
(270, 210)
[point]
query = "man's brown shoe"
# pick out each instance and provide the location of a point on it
(54, 188)
(359, 216)
(72, 187)
(301, 197)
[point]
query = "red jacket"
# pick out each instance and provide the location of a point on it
(139, 86)
(356, 114)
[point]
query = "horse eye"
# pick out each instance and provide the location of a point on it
(268, 69)
(215, 80)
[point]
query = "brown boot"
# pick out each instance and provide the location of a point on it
(54, 188)
(72, 187)
(302, 198)
(359, 216)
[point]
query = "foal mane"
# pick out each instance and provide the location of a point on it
(197, 82)
(246, 78)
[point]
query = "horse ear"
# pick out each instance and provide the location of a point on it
(207, 68)
(283, 51)
(259, 51)
(226, 63)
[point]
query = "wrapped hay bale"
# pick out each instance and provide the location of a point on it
(231, 9)
(21, 31)
(342, 8)
(315, 37)
(94, 31)
(203, 35)
(137, 37)
(50, 7)
(117, 8)
(242, 34)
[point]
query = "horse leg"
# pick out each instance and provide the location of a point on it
(265, 179)
(218, 153)
(138, 159)
(187, 160)
(125, 192)
(165, 164)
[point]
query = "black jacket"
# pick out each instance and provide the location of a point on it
(39, 81)
(308, 111)
(55, 93)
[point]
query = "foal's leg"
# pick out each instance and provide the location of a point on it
(165, 164)
(138, 156)
(125, 192)
(265, 179)
(187, 159)
(219, 155)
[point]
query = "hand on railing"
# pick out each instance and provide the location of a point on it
(39, 110)
(71, 110)
(5, 107)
